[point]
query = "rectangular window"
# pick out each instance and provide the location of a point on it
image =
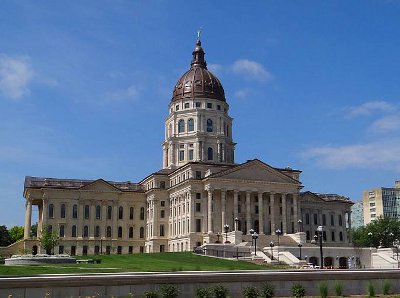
(218, 107)
(186, 105)
(130, 250)
(162, 231)
(108, 250)
(119, 250)
(315, 219)
(85, 250)
(177, 108)
(86, 212)
(198, 104)
(61, 249)
(141, 249)
(162, 213)
(256, 209)
(162, 248)
(209, 105)
(73, 250)
(372, 210)
(198, 225)
(181, 155)
(198, 196)
(198, 207)
(371, 204)
(75, 211)
(162, 203)
(190, 154)
(97, 250)
(198, 174)
(162, 184)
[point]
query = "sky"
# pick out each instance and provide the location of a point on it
(85, 88)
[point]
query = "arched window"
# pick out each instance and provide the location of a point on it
(131, 213)
(210, 153)
(98, 212)
(340, 220)
(109, 212)
(181, 126)
(108, 231)
(131, 232)
(209, 125)
(85, 231)
(190, 124)
(73, 232)
(141, 232)
(97, 231)
(75, 211)
(62, 213)
(51, 210)
(87, 210)
(142, 213)
(341, 236)
(62, 232)
(332, 220)
(120, 212)
(119, 232)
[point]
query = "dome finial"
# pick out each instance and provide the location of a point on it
(199, 33)
(198, 53)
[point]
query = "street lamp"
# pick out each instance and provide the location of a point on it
(271, 244)
(251, 233)
(255, 236)
(300, 245)
(370, 247)
(320, 233)
(236, 223)
(300, 225)
(278, 232)
(226, 229)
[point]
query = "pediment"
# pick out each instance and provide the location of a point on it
(311, 197)
(255, 171)
(100, 185)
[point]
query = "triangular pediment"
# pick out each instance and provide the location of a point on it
(311, 197)
(100, 185)
(255, 170)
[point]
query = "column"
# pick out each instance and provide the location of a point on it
(209, 211)
(114, 226)
(272, 205)
(28, 219)
(235, 208)
(198, 151)
(223, 209)
(92, 215)
(349, 223)
(260, 213)
(295, 213)
(284, 214)
(248, 212)
(219, 159)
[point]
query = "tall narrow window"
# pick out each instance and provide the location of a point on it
(85, 231)
(162, 232)
(131, 213)
(75, 211)
(210, 153)
(323, 219)
(87, 210)
(97, 231)
(62, 213)
(191, 124)
(62, 232)
(340, 220)
(131, 232)
(181, 126)
(73, 232)
(119, 232)
(209, 125)
(190, 157)
(141, 233)
(108, 231)
(142, 213)
(120, 212)
(98, 211)
(332, 220)
(109, 212)
(51, 211)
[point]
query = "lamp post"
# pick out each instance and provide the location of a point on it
(251, 233)
(271, 244)
(300, 225)
(320, 233)
(299, 245)
(236, 223)
(278, 232)
(255, 236)
(370, 247)
(226, 229)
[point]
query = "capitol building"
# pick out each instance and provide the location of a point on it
(198, 196)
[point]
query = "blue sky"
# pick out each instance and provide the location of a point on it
(85, 86)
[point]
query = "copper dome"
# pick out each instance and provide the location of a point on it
(198, 81)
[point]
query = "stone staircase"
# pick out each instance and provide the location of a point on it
(265, 240)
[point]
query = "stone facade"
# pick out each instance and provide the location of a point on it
(200, 194)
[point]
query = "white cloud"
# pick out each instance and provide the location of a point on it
(386, 124)
(370, 108)
(15, 76)
(241, 93)
(215, 68)
(379, 154)
(129, 94)
(252, 69)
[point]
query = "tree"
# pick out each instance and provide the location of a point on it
(48, 240)
(16, 233)
(34, 230)
(5, 238)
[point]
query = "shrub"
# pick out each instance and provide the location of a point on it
(386, 287)
(202, 293)
(151, 294)
(219, 291)
(169, 291)
(250, 292)
(267, 290)
(338, 288)
(298, 291)
(323, 289)
(371, 289)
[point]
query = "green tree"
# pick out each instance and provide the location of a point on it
(48, 240)
(16, 233)
(33, 230)
(5, 238)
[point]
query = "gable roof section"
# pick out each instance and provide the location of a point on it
(100, 185)
(255, 170)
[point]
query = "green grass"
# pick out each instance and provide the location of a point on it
(157, 262)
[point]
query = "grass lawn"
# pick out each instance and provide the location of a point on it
(158, 262)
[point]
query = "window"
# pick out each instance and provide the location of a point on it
(308, 235)
(181, 155)
(108, 231)
(209, 125)
(198, 196)
(162, 248)
(210, 153)
(333, 236)
(340, 236)
(198, 104)
(315, 219)
(209, 105)
(96, 249)
(198, 225)
(62, 233)
(190, 157)
(119, 232)
(62, 211)
(84, 250)
(61, 249)
(198, 207)
(256, 209)
(162, 203)
(131, 232)
(75, 211)
(141, 249)
(85, 231)
(324, 219)
(86, 212)
(130, 250)
(340, 220)
(324, 235)
(332, 220)
(307, 219)
(97, 231)
(181, 126)
(51, 211)
(108, 249)
(177, 108)
(73, 250)
(142, 213)
(186, 105)
(162, 232)
(131, 213)
(162, 213)
(198, 174)
(371, 204)
(50, 228)
(120, 212)
(162, 184)
(190, 124)
(218, 107)
(141, 232)
(109, 212)
(98, 212)
(73, 232)
(119, 250)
